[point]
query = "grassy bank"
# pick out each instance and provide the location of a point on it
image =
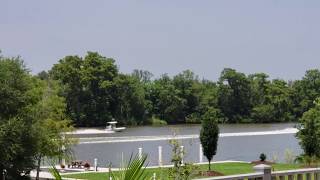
(224, 168)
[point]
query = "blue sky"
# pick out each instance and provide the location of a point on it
(278, 37)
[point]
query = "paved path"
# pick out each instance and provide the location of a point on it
(42, 174)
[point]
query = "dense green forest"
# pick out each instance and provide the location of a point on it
(95, 92)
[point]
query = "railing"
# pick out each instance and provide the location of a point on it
(309, 174)
(251, 176)
(263, 172)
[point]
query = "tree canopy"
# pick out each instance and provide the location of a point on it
(96, 92)
(32, 119)
(309, 131)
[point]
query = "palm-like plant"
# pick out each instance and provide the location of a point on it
(55, 173)
(133, 170)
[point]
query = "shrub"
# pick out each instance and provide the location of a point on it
(87, 165)
(275, 158)
(245, 120)
(308, 161)
(289, 156)
(263, 157)
(157, 122)
(263, 113)
(193, 118)
(179, 171)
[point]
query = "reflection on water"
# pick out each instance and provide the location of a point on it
(244, 148)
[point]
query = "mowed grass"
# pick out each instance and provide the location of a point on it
(224, 168)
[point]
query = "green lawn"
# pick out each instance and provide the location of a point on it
(224, 168)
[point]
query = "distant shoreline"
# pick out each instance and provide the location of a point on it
(186, 124)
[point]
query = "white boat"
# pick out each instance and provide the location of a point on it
(112, 126)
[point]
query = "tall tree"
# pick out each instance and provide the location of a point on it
(208, 96)
(259, 83)
(234, 95)
(278, 96)
(14, 86)
(68, 72)
(130, 100)
(209, 134)
(167, 104)
(50, 123)
(187, 87)
(17, 147)
(98, 74)
(306, 91)
(89, 88)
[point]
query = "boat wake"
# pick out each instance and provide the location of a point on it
(261, 133)
(91, 131)
(101, 140)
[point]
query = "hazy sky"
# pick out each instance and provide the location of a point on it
(278, 37)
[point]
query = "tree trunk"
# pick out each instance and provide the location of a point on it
(209, 165)
(3, 175)
(38, 167)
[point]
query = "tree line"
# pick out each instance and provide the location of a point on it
(96, 92)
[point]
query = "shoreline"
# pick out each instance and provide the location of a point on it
(186, 124)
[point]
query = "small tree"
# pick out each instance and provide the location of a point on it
(179, 171)
(50, 124)
(263, 157)
(209, 134)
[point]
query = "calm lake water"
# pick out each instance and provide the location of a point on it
(242, 148)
